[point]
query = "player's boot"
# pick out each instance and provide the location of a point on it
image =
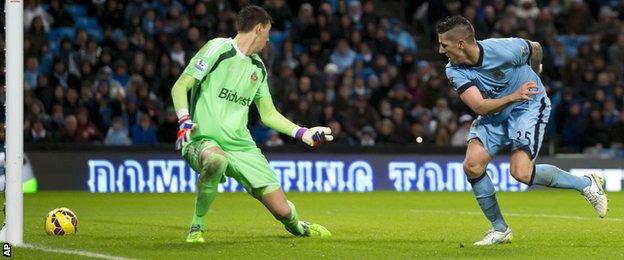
(195, 235)
(595, 195)
(314, 230)
(495, 237)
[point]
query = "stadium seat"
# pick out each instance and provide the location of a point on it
(96, 34)
(54, 46)
(55, 34)
(86, 23)
(76, 10)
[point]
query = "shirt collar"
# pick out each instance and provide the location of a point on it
(238, 51)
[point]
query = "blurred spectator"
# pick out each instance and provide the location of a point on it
(577, 18)
(60, 17)
(403, 39)
(367, 136)
(611, 114)
(86, 131)
(117, 134)
(360, 115)
(386, 132)
(280, 13)
(442, 111)
(461, 135)
(144, 132)
(572, 127)
(618, 132)
(37, 33)
(32, 10)
(68, 133)
(402, 127)
(169, 127)
(343, 56)
(38, 133)
(527, 9)
(442, 137)
(340, 137)
(274, 139)
(596, 132)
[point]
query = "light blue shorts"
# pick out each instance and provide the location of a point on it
(523, 129)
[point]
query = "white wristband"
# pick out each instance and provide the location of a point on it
(182, 112)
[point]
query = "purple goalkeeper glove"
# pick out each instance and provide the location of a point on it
(314, 136)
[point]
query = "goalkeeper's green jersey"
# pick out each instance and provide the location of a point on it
(228, 83)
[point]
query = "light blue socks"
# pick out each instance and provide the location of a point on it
(483, 189)
(551, 176)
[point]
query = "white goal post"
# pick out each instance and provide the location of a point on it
(14, 39)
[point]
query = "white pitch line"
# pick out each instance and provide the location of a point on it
(520, 215)
(73, 252)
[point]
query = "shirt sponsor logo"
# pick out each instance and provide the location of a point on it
(232, 96)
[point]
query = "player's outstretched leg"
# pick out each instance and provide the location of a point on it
(590, 186)
(214, 166)
(283, 210)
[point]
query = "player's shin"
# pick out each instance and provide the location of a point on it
(483, 189)
(551, 176)
(207, 185)
(292, 224)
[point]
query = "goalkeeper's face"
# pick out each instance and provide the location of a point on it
(262, 34)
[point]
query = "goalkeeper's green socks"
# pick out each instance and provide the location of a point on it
(292, 224)
(207, 187)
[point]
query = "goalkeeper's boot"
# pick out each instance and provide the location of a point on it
(195, 235)
(495, 237)
(595, 195)
(314, 230)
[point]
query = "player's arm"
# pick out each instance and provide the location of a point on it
(536, 57)
(275, 120)
(485, 106)
(195, 71)
(180, 102)
(179, 93)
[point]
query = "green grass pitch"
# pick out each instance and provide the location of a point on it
(382, 225)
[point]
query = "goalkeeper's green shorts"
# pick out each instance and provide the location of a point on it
(249, 167)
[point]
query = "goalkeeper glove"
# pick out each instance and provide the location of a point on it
(314, 136)
(184, 133)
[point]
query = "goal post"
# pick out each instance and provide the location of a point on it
(14, 199)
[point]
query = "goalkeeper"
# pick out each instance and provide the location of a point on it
(224, 77)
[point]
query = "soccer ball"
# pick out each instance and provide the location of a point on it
(60, 221)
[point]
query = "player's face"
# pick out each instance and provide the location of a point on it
(453, 49)
(262, 31)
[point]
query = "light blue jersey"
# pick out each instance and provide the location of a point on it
(503, 67)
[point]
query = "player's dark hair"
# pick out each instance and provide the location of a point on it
(462, 24)
(250, 16)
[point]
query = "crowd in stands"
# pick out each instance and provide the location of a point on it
(101, 71)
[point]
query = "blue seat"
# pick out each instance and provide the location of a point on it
(86, 23)
(56, 34)
(96, 34)
(54, 46)
(76, 10)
